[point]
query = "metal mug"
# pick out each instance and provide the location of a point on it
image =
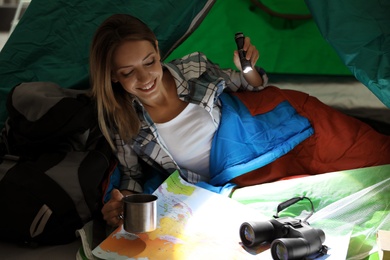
(140, 213)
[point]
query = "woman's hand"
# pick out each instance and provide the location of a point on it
(113, 209)
(252, 54)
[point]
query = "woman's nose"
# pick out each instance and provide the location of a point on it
(143, 76)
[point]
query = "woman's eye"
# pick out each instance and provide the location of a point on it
(150, 63)
(127, 73)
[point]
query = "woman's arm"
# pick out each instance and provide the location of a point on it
(130, 169)
(254, 80)
(130, 173)
(252, 77)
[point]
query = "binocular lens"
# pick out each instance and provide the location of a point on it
(290, 248)
(255, 233)
(249, 234)
(281, 251)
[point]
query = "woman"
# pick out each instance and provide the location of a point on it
(138, 96)
(165, 114)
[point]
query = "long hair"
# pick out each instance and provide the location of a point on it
(114, 104)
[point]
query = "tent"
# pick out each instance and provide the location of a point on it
(290, 41)
(333, 39)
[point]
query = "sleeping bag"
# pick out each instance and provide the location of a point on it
(339, 142)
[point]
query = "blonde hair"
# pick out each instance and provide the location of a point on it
(114, 104)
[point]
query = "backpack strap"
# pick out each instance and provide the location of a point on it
(7, 162)
(37, 208)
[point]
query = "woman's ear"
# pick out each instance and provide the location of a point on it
(156, 43)
(158, 50)
(113, 78)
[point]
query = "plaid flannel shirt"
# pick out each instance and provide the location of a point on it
(198, 81)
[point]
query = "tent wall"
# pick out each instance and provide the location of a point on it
(359, 31)
(286, 45)
(51, 41)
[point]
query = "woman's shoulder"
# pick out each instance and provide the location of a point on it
(192, 57)
(191, 65)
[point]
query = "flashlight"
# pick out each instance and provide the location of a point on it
(245, 64)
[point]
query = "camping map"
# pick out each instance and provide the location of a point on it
(193, 223)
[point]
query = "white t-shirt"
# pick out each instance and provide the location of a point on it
(188, 138)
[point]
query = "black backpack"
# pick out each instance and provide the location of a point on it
(54, 159)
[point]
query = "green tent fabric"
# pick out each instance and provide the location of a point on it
(359, 31)
(286, 45)
(51, 41)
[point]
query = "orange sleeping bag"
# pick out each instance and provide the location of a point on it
(339, 142)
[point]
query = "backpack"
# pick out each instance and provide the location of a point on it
(54, 159)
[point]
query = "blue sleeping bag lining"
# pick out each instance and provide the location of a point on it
(244, 142)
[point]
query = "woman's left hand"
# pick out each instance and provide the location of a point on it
(252, 54)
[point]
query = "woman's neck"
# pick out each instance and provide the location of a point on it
(169, 106)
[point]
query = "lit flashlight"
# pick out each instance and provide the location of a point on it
(245, 64)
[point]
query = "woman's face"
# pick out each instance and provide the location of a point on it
(136, 66)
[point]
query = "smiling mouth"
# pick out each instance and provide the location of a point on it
(148, 86)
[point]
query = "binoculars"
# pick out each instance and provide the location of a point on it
(290, 238)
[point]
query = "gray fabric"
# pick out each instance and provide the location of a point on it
(40, 95)
(62, 252)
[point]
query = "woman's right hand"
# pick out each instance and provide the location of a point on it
(113, 209)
